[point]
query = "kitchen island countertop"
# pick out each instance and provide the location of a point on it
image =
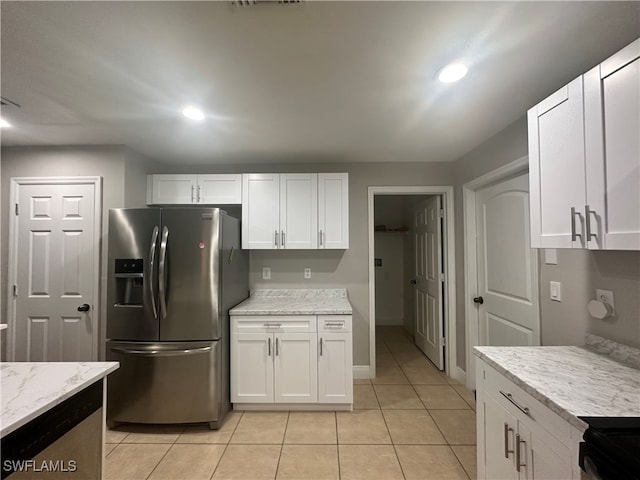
(29, 389)
(295, 302)
(571, 381)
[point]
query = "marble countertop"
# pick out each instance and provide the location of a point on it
(295, 302)
(571, 381)
(31, 388)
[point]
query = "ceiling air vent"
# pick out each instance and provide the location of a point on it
(249, 3)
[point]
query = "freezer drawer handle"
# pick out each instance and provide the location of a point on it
(161, 353)
(152, 268)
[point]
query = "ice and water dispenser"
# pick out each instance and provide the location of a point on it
(129, 273)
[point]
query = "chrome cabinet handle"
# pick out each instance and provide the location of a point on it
(321, 346)
(321, 241)
(192, 193)
(277, 344)
(509, 397)
(162, 280)
(574, 233)
(272, 325)
(587, 217)
(152, 268)
(276, 239)
(282, 242)
(334, 324)
(269, 347)
(507, 429)
(517, 448)
(198, 197)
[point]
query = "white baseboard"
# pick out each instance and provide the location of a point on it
(459, 375)
(362, 372)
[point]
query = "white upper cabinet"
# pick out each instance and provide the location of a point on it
(584, 159)
(299, 210)
(194, 189)
(612, 134)
(295, 211)
(333, 210)
(260, 211)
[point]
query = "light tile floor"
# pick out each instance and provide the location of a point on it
(410, 422)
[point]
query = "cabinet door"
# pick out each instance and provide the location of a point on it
(500, 429)
(335, 371)
(612, 123)
(219, 189)
(557, 169)
(542, 457)
(296, 368)
(172, 189)
(299, 210)
(252, 367)
(260, 211)
(333, 210)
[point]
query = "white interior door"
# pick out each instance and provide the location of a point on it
(429, 279)
(507, 266)
(54, 253)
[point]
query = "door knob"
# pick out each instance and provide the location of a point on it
(412, 282)
(479, 300)
(84, 307)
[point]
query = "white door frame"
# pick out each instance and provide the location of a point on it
(519, 166)
(14, 195)
(450, 273)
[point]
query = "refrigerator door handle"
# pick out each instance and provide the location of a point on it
(152, 268)
(161, 353)
(162, 280)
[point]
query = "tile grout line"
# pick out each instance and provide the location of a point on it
(165, 453)
(284, 434)
(227, 444)
(335, 415)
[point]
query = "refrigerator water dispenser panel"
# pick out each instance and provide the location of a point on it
(129, 273)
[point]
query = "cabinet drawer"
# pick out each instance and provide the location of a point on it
(334, 323)
(272, 323)
(510, 396)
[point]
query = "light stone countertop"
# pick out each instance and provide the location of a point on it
(3, 326)
(295, 302)
(31, 388)
(571, 381)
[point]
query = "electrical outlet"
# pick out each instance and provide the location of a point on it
(266, 273)
(307, 273)
(555, 290)
(606, 296)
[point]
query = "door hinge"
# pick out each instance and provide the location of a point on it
(443, 341)
(15, 290)
(442, 277)
(441, 213)
(17, 209)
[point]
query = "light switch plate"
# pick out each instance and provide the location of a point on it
(307, 273)
(550, 256)
(266, 273)
(555, 289)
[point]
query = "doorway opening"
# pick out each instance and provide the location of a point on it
(412, 271)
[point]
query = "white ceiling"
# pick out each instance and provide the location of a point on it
(315, 81)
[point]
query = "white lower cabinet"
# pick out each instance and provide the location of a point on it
(518, 437)
(286, 360)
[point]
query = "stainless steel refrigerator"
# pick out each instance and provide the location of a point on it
(173, 275)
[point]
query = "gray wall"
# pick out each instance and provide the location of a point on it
(505, 147)
(579, 271)
(107, 162)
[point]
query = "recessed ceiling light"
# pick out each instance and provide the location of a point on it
(452, 72)
(4, 123)
(193, 113)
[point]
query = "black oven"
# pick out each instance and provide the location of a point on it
(611, 448)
